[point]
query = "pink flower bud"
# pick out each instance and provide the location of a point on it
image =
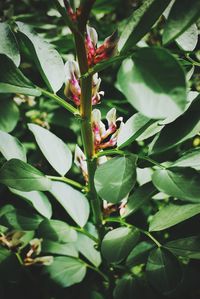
(80, 161)
(72, 84)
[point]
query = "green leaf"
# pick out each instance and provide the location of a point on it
(115, 178)
(54, 149)
(187, 247)
(182, 15)
(22, 176)
(9, 44)
(191, 159)
(10, 147)
(73, 201)
(188, 126)
(137, 127)
(187, 41)
(127, 287)
(47, 59)
(9, 115)
(13, 81)
(139, 254)
(172, 215)
(154, 83)
(140, 23)
(38, 200)
(122, 240)
(59, 249)
(86, 247)
(182, 183)
(163, 271)
(66, 271)
(57, 231)
(140, 196)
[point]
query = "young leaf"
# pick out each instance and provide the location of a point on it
(122, 240)
(187, 41)
(9, 115)
(8, 45)
(59, 249)
(22, 176)
(10, 147)
(140, 23)
(139, 254)
(187, 247)
(54, 149)
(66, 271)
(182, 183)
(73, 201)
(182, 15)
(13, 81)
(163, 271)
(38, 200)
(57, 231)
(172, 215)
(191, 159)
(47, 59)
(154, 83)
(115, 178)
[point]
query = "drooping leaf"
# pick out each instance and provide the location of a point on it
(182, 183)
(9, 115)
(47, 59)
(11, 147)
(191, 159)
(73, 201)
(8, 45)
(139, 254)
(172, 215)
(140, 22)
(122, 240)
(57, 231)
(182, 15)
(13, 81)
(115, 178)
(187, 41)
(54, 149)
(38, 200)
(154, 83)
(163, 271)
(22, 176)
(186, 247)
(51, 247)
(66, 271)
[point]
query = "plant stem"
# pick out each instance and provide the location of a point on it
(151, 161)
(60, 101)
(66, 180)
(85, 232)
(98, 271)
(151, 237)
(110, 153)
(19, 258)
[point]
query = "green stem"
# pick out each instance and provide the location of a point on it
(85, 232)
(151, 161)
(19, 258)
(192, 60)
(66, 180)
(98, 271)
(151, 237)
(60, 101)
(110, 153)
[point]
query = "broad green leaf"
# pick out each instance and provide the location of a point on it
(139, 197)
(182, 183)
(38, 200)
(188, 126)
(86, 247)
(22, 176)
(187, 41)
(73, 201)
(140, 22)
(11, 147)
(59, 249)
(137, 127)
(117, 244)
(13, 81)
(54, 149)
(191, 159)
(8, 45)
(57, 231)
(182, 15)
(154, 83)
(127, 287)
(186, 247)
(66, 271)
(115, 178)
(172, 215)
(139, 254)
(9, 115)
(163, 271)
(47, 59)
